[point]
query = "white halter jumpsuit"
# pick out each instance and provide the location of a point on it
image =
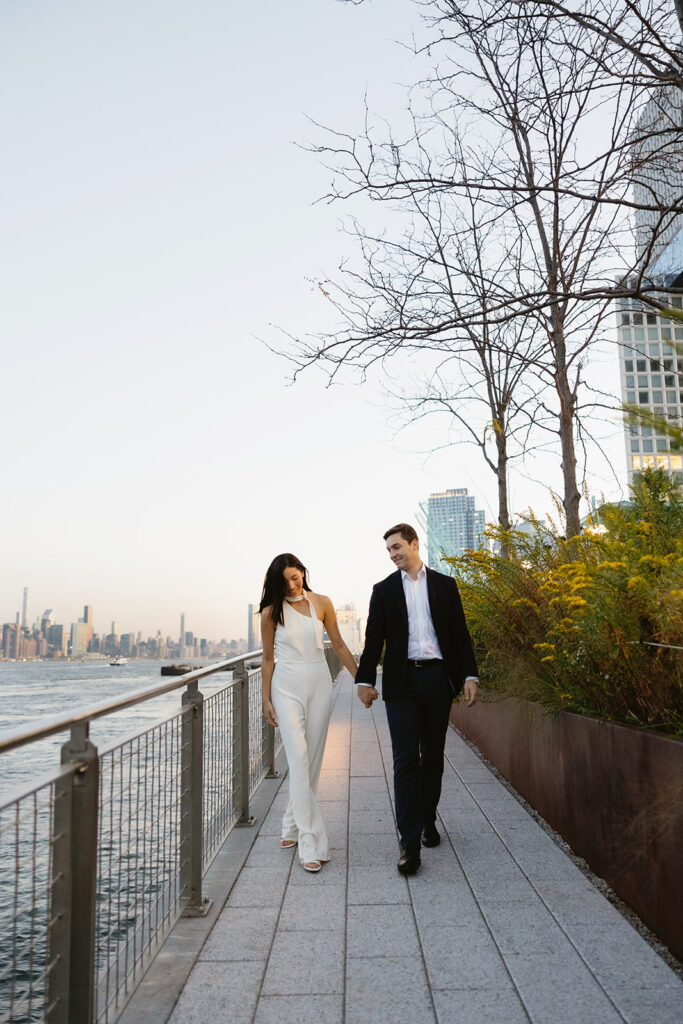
(301, 693)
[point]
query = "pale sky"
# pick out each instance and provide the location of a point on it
(158, 217)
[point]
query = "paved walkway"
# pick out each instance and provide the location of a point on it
(498, 927)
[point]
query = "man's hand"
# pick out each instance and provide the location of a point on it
(367, 694)
(471, 692)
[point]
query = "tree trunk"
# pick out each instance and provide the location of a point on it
(571, 497)
(501, 473)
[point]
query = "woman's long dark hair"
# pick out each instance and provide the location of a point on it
(274, 585)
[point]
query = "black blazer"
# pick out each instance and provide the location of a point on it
(388, 623)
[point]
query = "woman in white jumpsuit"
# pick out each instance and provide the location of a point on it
(297, 694)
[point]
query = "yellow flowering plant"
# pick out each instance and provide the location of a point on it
(591, 624)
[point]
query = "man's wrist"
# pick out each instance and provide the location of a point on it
(472, 679)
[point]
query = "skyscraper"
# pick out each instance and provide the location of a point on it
(253, 629)
(181, 643)
(79, 639)
(651, 368)
(24, 610)
(453, 524)
(87, 619)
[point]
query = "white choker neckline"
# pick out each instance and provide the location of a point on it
(293, 599)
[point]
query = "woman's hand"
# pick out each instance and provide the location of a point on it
(269, 712)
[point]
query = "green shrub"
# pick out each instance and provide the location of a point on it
(571, 623)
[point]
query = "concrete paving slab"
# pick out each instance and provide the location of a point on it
(474, 1006)
(438, 905)
(375, 884)
(242, 933)
(369, 793)
(337, 759)
(452, 804)
(381, 931)
(361, 768)
(334, 811)
(258, 887)
(271, 824)
(333, 785)
(618, 957)
(300, 1010)
(464, 957)
(267, 853)
(574, 903)
(371, 822)
(228, 994)
(389, 990)
(560, 988)
(498, 877)
(525, 926)
(650, 1005)
(312, 966)
(374, 849)
(313, 908)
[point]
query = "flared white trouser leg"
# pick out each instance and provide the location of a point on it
(303, 721)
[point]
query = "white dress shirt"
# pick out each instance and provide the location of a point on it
(422, 640)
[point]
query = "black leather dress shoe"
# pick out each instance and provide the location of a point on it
(430, 836)
(409, 861)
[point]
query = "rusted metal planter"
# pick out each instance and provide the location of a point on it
(614, 793)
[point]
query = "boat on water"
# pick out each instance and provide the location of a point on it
(119, 661)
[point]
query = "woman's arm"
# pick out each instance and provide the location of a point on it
(338, 645)
(267, 664)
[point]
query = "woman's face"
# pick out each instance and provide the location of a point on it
(294, 581)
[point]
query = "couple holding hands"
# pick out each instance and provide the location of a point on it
(416, 617)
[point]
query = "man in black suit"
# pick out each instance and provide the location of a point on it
(428, 658)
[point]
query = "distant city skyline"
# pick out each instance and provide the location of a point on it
(42, 637)
(45, 638)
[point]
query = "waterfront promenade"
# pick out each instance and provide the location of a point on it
(498, 927)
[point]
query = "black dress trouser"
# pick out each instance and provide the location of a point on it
(417, 724)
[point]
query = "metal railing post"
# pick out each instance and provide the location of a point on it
(192, 803)
(75, 876)
(240, 719)
(57, 1003)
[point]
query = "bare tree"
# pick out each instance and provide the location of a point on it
(641, 33)
(527, 115)
(481, 380)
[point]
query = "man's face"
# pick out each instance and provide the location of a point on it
(403, 554)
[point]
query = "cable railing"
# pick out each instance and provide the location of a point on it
(100, 857)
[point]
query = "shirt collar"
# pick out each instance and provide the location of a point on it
(422, 573)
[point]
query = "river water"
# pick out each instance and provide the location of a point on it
(40, 689)
(30, 691)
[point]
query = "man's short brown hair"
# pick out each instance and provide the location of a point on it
(406, 531)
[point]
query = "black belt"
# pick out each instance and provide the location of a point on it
(424, 662)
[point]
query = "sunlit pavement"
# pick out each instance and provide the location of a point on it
(498, 927)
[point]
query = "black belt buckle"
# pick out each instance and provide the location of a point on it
(424, 662)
